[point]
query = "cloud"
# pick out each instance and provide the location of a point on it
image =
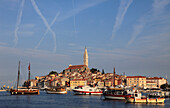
(74, 18)
(54, 20)
(124, 5)
(45, 22)
(2, 43)
(18, 22)
(158, 7)
(32, 53)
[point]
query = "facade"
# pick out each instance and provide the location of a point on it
(139, 81)
(158, 80)
(77, 68)
(151, 84)
(78, 82)
(108, 83)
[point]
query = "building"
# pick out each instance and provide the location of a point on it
(151, 84)
(78, 82)
(139, 81)
(158, 80)
(85, 57)
(79, 68)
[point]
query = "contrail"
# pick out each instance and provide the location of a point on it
(55, 18)
(45, 22)
(18, 22)
(157, 8)
(74, 18)
(124, 5)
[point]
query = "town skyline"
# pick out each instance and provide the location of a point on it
(53, 34)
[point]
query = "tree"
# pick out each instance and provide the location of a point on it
(93, 70)
(103, 71)
(52, 72)
(164, 86)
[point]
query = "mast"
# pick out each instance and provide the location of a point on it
(114, 77)
(29, 75)
(18, 75)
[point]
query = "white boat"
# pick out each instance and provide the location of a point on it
(138, 98)
(83, 90)
(57, 90)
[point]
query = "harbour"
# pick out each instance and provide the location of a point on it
(68, 100)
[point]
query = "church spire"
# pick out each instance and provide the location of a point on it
(85, 57)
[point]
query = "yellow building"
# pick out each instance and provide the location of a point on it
(78, 82)
(108, 83)
(139, 81)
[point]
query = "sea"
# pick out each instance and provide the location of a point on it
(68, 100)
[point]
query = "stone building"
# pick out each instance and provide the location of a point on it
(158, 80)
(79, 68)
(139, 81)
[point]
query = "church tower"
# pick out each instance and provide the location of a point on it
(85, 57)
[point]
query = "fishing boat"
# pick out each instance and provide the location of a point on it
(83, 90)
(57, 90)
(138, 98)
(23, 90)
(116, 93)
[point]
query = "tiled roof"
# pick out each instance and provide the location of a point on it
(136, 77)
(153, 78)
(75, 67)
(79, 80)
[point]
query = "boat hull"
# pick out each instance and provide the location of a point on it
(56, 92)
(78, 92)
(24, 92)
(151, 100)
(117, 97)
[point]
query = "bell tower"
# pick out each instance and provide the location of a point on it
(85, 57)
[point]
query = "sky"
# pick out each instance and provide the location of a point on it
(131, 35)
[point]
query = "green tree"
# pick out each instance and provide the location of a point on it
(52, 72)
(103, 71)
(163, 86)
(93, 70)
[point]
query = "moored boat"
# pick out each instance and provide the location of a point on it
(57, 90)
(138, 98)
(23, 90)
(83, 90)
(116, 93)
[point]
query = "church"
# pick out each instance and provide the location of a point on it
(79, 68)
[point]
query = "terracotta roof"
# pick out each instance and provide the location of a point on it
(136, 77)
(75, 67)
(152, 78)
(79, 80)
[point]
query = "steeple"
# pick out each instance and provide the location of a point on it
(85, 57)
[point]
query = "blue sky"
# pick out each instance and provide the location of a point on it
(132, 35)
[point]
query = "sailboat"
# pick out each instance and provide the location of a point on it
(23, 90)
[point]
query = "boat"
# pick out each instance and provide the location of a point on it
(83, 90)
(57, 90)
(138, 98)
(116, 93)
(23, 90)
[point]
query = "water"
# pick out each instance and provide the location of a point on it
(68, 101)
